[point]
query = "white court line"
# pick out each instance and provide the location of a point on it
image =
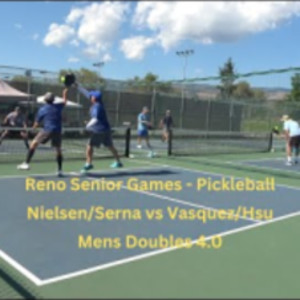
(104, 171)
(20, 268)
(260, 159)
(188, 203)
(240, 163)
(210, 173)
(40, 282)
(160, 251)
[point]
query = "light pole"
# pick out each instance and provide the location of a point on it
(28, 74)
(185, 54)
(99, 65)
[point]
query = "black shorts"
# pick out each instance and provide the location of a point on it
(294, 141)
(44, 136)
(98, 139)
(15, 133)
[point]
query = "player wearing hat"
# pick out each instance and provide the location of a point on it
(50, 115)
(99, 128)
(292, 136)
(15, 119)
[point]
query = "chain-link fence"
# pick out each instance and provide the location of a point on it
(202, 110)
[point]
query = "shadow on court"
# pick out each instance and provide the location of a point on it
(133, 173)
(116, 174)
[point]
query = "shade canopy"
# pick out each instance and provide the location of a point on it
(8, 92)
(40, 100)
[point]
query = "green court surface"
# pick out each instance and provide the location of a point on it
(259, 261)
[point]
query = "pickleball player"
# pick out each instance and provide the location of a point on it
(16, 121)
(50, 116)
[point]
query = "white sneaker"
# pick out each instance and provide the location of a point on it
(288, 163)
(151, 154)
(23, 166)
(139, 146)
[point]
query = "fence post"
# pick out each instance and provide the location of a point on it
(153, 105)
(230, 115)
(182, 110)
(208, 115)
(28, 75)
(79, 123)
(117, 119)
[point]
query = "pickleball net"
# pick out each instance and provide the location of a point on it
(13, 285)
(193, 142)
(182, 142)
(74, 141)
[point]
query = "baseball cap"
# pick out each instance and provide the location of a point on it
(284, 118)
(49, 97)
(96, 94)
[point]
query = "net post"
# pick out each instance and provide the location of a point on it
(170, 142)
(270, 146)
(127, 141)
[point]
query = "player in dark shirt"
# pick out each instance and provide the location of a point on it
(16, 121)
(50, 115)
(166, 124)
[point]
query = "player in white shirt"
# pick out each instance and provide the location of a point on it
(292, 136)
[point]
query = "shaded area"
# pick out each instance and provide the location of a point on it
(13, 286)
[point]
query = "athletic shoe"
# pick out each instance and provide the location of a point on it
(116, 165)
(23, 166)
(296, 162)
(139, 146)
(151, 154)
(60, 174)
(288, 163)
(87, 167)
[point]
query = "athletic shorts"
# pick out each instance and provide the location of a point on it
(44, 136)
(15, 133)
(294, 141)
(102, 138)
(143, 133)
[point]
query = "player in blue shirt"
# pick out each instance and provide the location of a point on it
(143, 125)
(100, 129)
(50, 115)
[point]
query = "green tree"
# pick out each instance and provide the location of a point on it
(227, 74)
(148, 83)
(294, 95)
(259, 95)
(150, 78)
(86, 77)
(20, 78)
(244, 91)
(166, 87)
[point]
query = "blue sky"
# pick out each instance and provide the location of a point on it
(136, 38)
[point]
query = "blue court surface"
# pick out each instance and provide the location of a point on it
(35, 245)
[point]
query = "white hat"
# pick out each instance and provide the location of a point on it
(285, 118)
